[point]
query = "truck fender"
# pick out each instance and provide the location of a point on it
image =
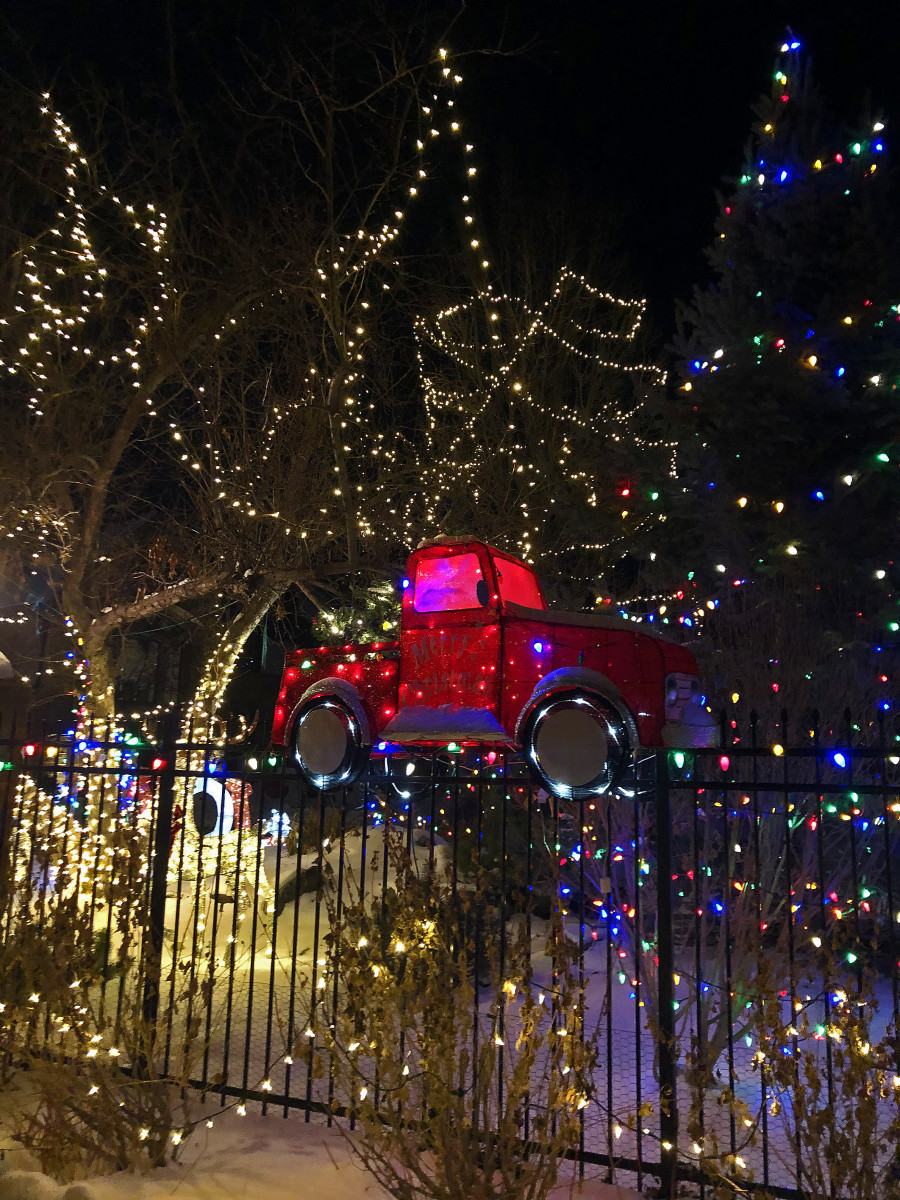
(565, 679)
(342, 690)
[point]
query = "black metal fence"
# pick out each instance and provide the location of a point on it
(732, 909)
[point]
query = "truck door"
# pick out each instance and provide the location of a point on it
(450, 637)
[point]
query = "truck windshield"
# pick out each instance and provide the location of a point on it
(517, 584)
(448, 584)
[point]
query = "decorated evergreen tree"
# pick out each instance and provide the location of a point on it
(790, 364)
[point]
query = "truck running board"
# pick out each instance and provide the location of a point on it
(420, 723)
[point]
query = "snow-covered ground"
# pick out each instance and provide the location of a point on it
(252, 1158)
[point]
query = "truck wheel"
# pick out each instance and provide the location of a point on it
(328, 744)
(576, 744)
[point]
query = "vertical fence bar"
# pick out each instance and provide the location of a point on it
(529, 894)
(6, 811)
(789, 899)
(216, 904)
(233, 937)
(273, 934)
(583, 852)
(504, 811)
(162, 838)
(854, 865)
(481, 954)
(115, 825)
(336, 960)
(638, 983)
(201, 899)
(314, 971)
(607, 894)
(757, 886)
(822, 921)
(727, 892)
(300, 818)
(700, 1021)
(668, 1117)
(10, 835)
(176, 924)
(886, 814)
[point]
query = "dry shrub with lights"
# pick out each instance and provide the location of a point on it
(831, 1117)
(77, 1041)
(448, 1105)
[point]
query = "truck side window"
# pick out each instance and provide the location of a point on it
(449, 584)
(517, 584)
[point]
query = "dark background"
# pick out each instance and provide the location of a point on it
(632, 111)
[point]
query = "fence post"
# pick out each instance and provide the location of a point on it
(8, 749)
(162, 844)
(668, 1117)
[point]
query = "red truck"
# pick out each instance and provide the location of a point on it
(481, 660)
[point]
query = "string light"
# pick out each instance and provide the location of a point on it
(461, 418)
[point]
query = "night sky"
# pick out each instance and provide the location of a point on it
(635, 109)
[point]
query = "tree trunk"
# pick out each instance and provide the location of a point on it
(100, 688)
(218, 668)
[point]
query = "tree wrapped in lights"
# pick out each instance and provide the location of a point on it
(790, 364)
(194, 426)
(543, 426)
